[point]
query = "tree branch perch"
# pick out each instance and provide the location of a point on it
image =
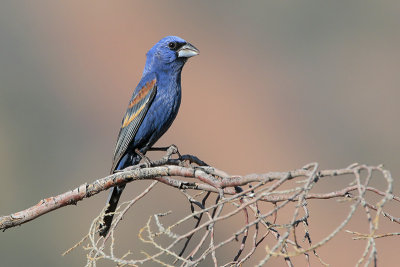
(190, 173)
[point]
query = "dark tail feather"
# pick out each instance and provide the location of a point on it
(113, 199)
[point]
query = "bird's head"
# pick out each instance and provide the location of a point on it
(169, 54)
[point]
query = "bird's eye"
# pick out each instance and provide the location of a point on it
(172, 45)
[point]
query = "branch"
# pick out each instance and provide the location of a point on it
(163, 171)
(235, 196)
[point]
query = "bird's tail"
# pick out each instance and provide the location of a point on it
(115, 193)
(113, 199)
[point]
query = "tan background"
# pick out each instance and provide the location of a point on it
(276, 86)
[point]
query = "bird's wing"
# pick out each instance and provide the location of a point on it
(133, 118)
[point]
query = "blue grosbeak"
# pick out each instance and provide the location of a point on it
(151, 110)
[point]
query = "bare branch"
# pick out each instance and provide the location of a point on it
(255, 200)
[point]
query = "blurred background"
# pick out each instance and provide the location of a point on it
(276, 86)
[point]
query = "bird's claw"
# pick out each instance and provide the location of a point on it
(147, 161)
(171, 150)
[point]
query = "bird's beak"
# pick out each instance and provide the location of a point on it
(188, 50)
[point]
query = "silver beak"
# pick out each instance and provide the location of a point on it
(188, 50)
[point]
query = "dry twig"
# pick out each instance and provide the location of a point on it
(259, 233)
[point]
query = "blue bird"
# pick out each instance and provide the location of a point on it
(151, 110)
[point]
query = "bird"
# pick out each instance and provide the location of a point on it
(151, 110)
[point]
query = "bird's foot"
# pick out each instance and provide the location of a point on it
(171, 150)
(147, 161)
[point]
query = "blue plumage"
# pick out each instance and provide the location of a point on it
(153, 107)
